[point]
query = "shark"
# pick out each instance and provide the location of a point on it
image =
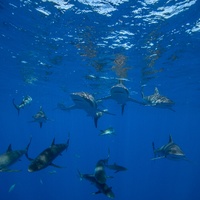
(102, 187)
(170, 151)
(121, 95)
(158, 100)
(85, 101)
(46, 157)
(25, 101)
(99, 171)
(10, 157)
(116, 167)
(40, 117)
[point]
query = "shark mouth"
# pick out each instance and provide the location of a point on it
(119, 90)
(83, 100)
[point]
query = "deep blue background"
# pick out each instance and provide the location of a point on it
(50, 56)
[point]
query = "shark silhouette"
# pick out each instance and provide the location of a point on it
(85, 101)
(121, 95)
(170, 151)
(10, 157)
(40, 117)
(158, 100)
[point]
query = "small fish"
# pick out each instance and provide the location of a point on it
(108, 131)
(12, 187)
(25, 101)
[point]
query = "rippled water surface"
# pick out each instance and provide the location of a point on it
(52, 48)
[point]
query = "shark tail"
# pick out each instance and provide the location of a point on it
(153, 146)
(96, 121)
(27, 148)
(16, 106)
(96, 118)
(40, 124)
(123, 106)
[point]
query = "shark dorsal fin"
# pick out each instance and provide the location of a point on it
(53, 142)
(9, 148)
(120, 81)
(156, 91)
(40, 108)
(170, 139)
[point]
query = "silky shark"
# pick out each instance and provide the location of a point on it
(121, 95)
(46, 157)
(10, 157)
(158, 100)
(102, 187)
(40, 117)
(86, 102)
(170, 150)
(25, 101)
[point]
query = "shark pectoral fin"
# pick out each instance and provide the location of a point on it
(172, 109)
(106, 112)
(136, 101)
(61, 106)
(10, 170)
(80, 175)
(158, 158)
(97, 192)
(109, 176)
(104, 98)
(57, 166)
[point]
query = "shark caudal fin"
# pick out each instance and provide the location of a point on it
(96, 118)
(27, 148)
(16, 106)
(153, 146)
(123, 106)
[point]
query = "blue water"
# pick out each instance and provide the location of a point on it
(51, 48)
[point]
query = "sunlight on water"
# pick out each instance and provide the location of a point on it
(115, 80)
